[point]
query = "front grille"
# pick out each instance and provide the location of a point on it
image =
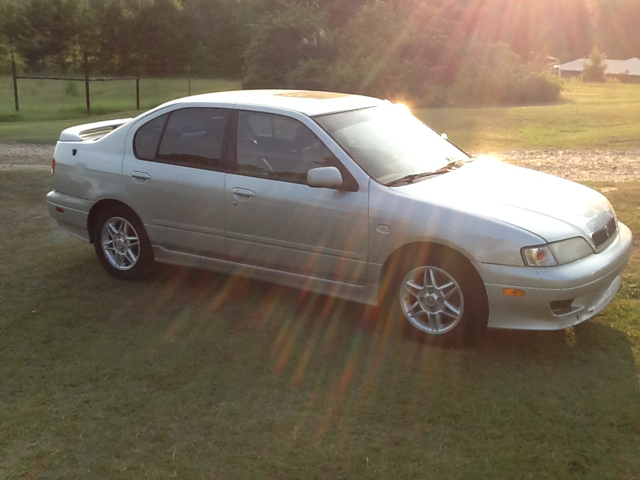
(603, 234)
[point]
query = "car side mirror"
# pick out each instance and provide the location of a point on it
(324, 177)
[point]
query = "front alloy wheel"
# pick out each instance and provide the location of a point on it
(432, 300)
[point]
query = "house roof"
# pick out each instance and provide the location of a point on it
(614, 67)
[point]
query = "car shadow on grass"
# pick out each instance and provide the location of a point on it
(254, 304)
(261, 303)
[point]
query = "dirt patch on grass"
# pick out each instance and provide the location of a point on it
(14, 154)
(581, 165)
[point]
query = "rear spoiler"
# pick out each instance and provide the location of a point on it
(91, 131)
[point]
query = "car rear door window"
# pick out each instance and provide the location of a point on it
(192, 137)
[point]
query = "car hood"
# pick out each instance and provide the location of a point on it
(550, 207)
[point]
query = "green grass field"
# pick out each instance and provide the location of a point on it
(589, 116)
(197, 375)
(47, 107)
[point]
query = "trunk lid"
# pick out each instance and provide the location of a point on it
(91, 132)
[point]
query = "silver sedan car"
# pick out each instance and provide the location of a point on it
(345, 195)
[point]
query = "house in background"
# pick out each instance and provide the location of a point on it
(625, 70)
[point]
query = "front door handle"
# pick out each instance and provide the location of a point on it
(141, 176)
(242, 195)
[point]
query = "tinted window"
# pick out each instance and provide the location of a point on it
(145, 143)
(191, 136)
(278, 147)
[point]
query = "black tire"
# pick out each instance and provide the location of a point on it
(121, 243)
(441, 298)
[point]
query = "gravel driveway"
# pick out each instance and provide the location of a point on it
(583, 165)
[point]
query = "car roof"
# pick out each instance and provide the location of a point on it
(308, 102)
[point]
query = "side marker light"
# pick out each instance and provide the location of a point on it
(513, 292)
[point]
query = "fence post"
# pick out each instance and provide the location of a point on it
(86, 83)
(14, 70)
(189, 77)
(137, 88)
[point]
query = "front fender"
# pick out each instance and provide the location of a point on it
(397, 219)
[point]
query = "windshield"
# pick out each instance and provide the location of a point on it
(389, 143)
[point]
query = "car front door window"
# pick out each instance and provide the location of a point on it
(278, 147)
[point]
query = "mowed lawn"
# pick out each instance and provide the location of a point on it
(589, 116)
(197, 375)
(47, 107)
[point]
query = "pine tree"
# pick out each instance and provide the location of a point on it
(595, 68)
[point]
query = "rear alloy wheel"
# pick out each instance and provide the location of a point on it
(121, 244)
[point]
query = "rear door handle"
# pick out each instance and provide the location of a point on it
(141, 176)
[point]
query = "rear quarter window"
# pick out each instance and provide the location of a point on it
(145, 143)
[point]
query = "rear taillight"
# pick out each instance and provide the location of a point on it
(53, 166)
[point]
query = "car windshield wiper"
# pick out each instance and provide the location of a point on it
(453, 165)
(407, 179)
(412, 178)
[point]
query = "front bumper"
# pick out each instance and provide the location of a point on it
(590, 284)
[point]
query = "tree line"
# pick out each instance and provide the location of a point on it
(158, 37)
(430, 51)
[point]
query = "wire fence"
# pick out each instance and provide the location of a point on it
(53, 95)
(87, 79)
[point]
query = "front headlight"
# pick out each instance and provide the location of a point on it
(557, 253)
